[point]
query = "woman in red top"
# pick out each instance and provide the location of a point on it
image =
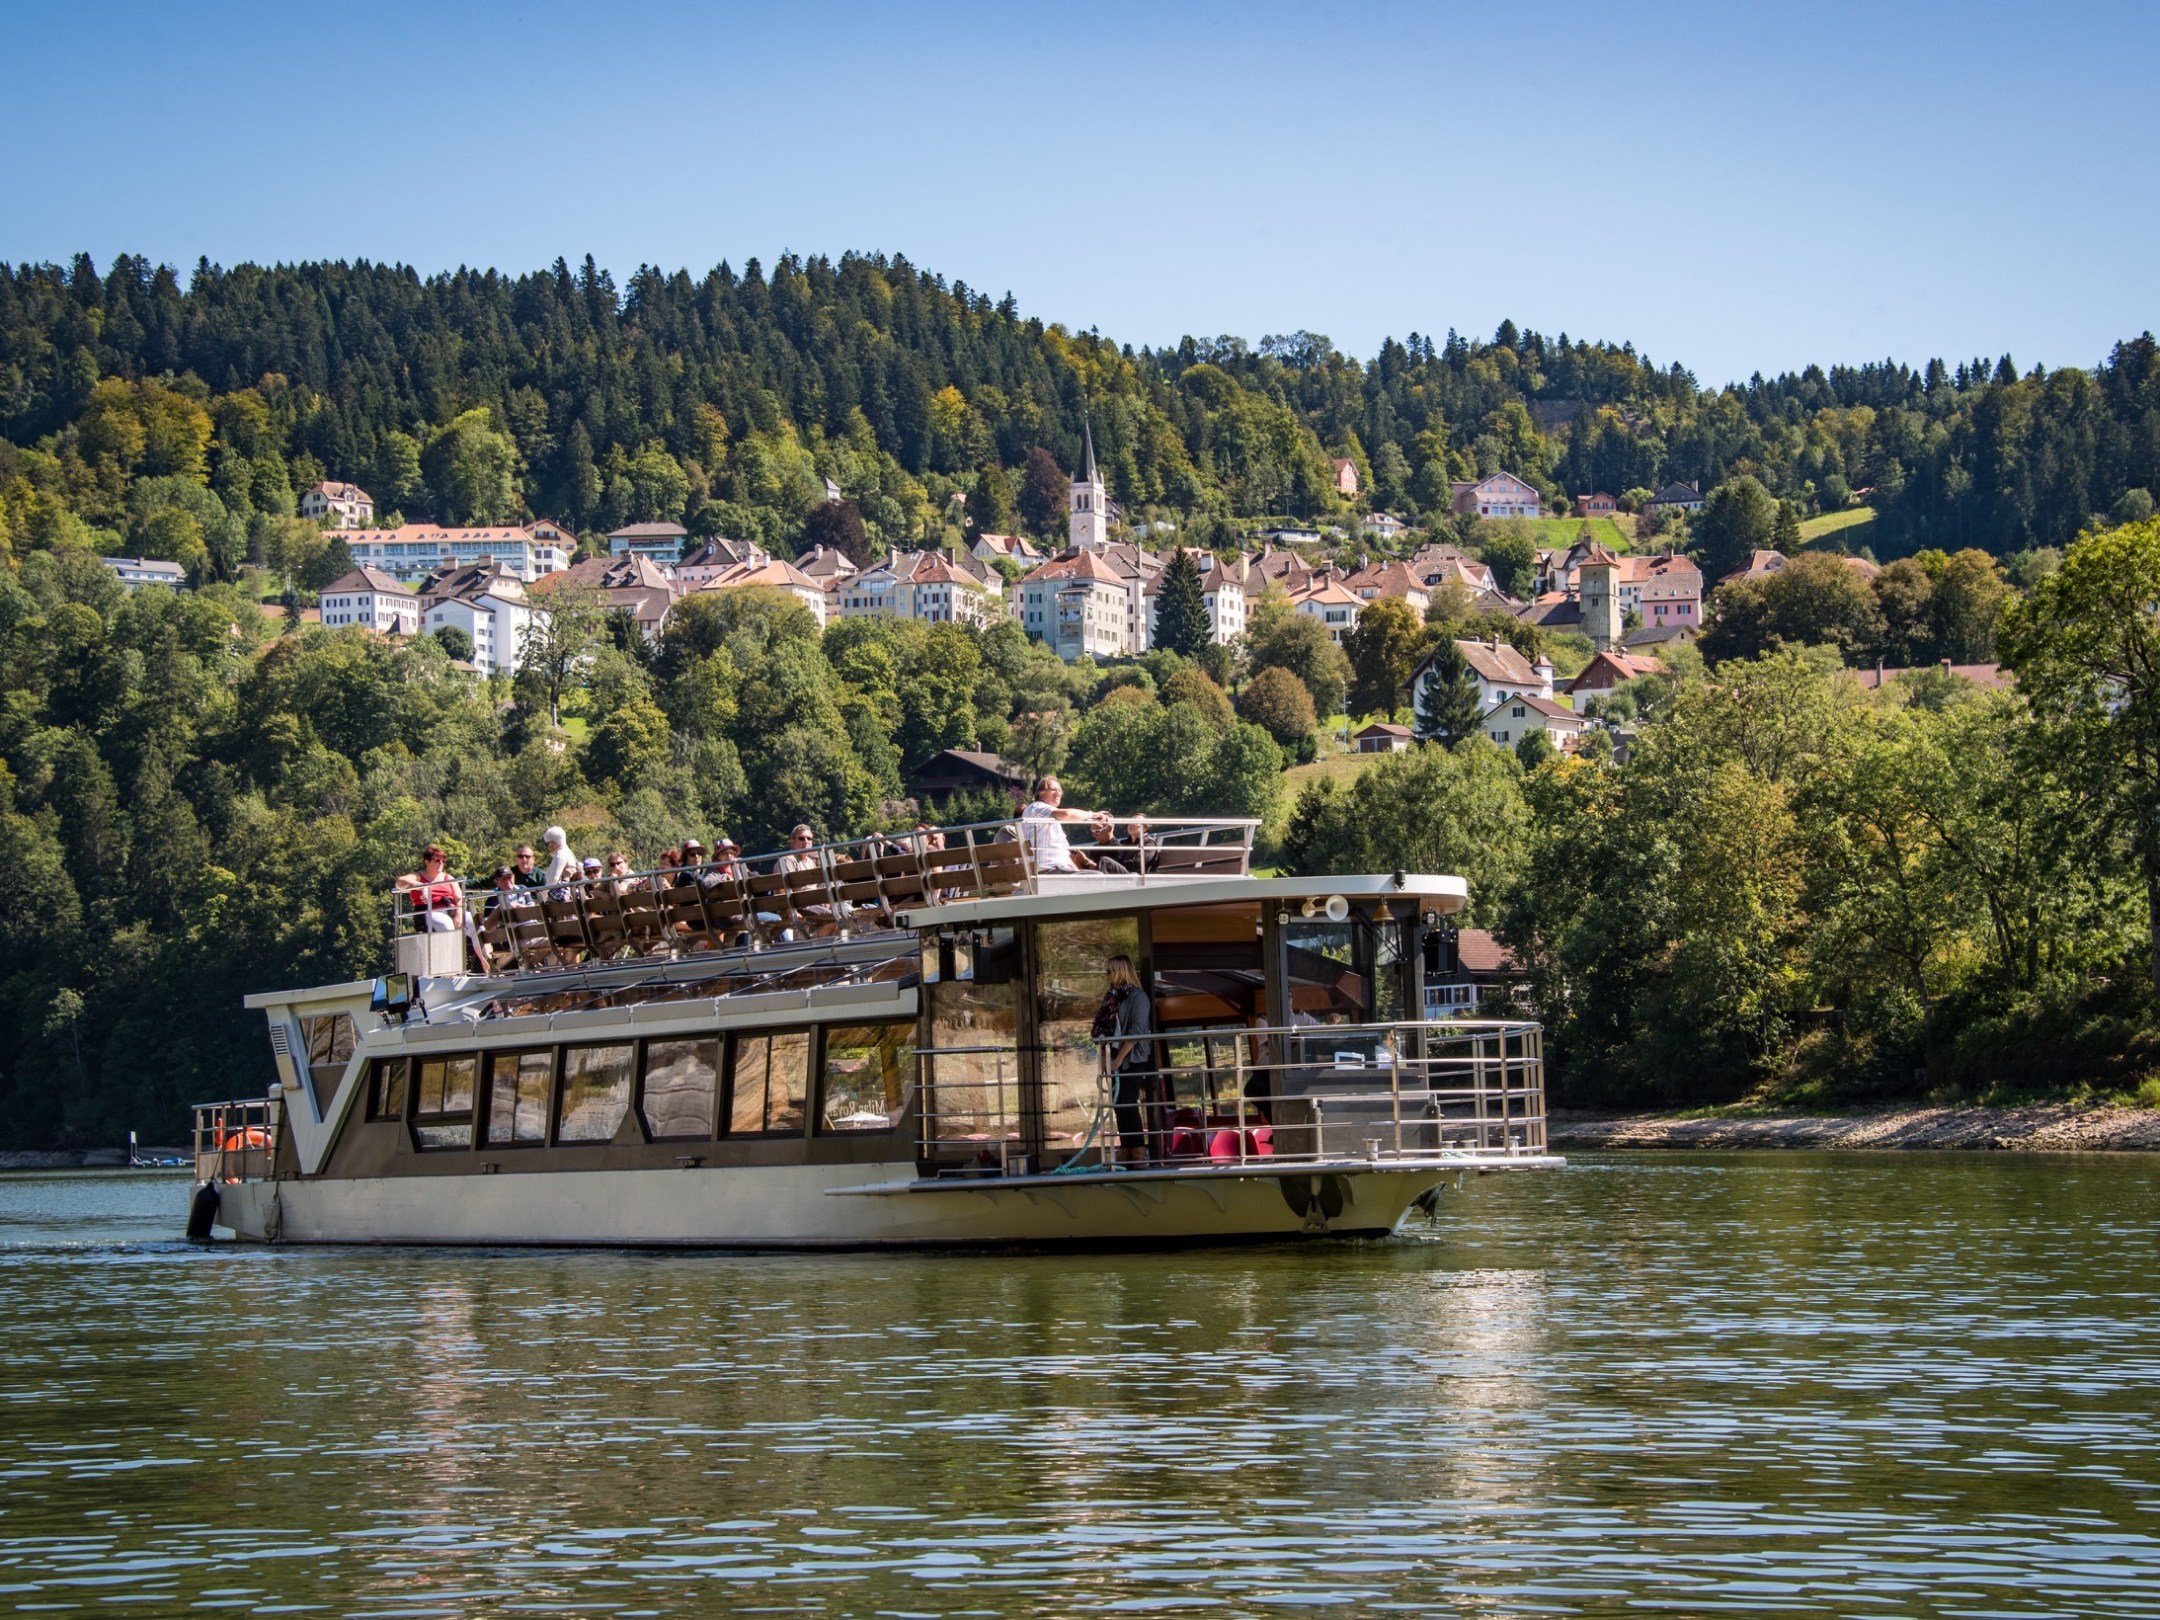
(432, 894)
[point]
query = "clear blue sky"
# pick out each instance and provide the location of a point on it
(1734, 186)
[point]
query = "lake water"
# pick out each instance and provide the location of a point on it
(1686, 1384)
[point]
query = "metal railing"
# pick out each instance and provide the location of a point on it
(1253, 1097)
(236, 1141)
(834, 890)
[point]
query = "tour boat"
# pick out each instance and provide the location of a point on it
(890, 1044)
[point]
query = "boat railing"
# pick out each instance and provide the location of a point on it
(235, 1141)
(834, 890)
(1248, 1096)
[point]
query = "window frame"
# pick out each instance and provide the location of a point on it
(724, 1117)
(561, 1091)
(377, 1067)
(484, 1100)
(719, 1039)
(418, 1121)
(911, 1029)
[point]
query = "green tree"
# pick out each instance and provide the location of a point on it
(569, 627)
(1045, 493)
(454, 642)
(1181, 615)
(1192, 687)
(1814, 599)
(1511, 553)
(990, 501)
(1738, 518)
(1278, 703)
(471, 471)
(1301, 644)
(839, 525)
(2086, 648)
(627, 743)
(1448, 705)
(1383, 648)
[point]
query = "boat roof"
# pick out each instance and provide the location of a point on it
(1082, 894)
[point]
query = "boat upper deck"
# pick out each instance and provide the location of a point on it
(844, 890)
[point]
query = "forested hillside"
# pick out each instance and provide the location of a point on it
(720, 401)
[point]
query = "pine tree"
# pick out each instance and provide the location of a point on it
(1786, 536)
(1448, 709)
(1181, 615)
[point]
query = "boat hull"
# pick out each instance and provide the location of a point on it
(838, 1206)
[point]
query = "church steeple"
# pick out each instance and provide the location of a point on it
(1088, 510)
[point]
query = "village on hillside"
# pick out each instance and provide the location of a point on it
(1614, 615)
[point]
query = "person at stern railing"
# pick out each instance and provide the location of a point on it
(1126, 1016)
(1039, 825)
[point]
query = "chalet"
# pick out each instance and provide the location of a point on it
(1678, 497)
(1593, 506)
(1761, 564)
(1395, 579)
(716, 557)
(1346, 479)
(1472, 966)
(1382, 737)
(962, 770)
(1511, 719)
(1384, 524)
(1325, 598)
(1607, 670)
(1498, 495)
(826, 564)
(631, 584)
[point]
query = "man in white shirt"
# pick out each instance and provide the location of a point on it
(1046, 839)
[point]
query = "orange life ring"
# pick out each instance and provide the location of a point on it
(253, 1137)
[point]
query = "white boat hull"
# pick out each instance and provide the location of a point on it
(832, 1206)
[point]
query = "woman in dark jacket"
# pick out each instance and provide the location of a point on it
(1127, 1016)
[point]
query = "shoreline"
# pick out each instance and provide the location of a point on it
(2038, 1128)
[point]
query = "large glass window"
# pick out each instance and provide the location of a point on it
(330, 1043)
(974, 1096)
(868, 1071)
(518, 1096)
(681, 1080)
(443, 1100)
(769, 1082)
(1070, 958)
(595, 1092)
(386, 1090)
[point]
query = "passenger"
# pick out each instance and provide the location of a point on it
(502, 891)
(590, 866)
(618, 872)
(431, 895)
(1126, 1017)
(562, 865)
(802, 856)
(728, 869)
(1045, 838)
(528, 877)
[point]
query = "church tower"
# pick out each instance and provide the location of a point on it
(1088, 513)
(1597, 586)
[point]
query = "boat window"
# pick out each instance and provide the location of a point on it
(443, 1101)
(974, 1054)
(595, 1092)
(770, 1079)
(1208, 966)
(329, 1049)
(867, 1074)
(1344, 973)
(681, 1080)
(1069, 987)
(386, 1089)
(518, 1095)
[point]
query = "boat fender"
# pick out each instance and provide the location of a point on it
(202, 1214)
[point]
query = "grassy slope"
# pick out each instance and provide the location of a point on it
(1851, 526)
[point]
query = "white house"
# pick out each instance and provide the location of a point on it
(779, 576)
(489, 604)
(1499, 495)
(138, 571)
(717, 557)
(1384, 524)
(1326, 599)
(372, 599)
(1077, 606)
(923, 585)
(346, 506)
(1508, 721)
(1499, 670)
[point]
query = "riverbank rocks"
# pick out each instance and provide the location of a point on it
(2042, 1128)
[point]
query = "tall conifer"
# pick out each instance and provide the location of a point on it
(1181, 616)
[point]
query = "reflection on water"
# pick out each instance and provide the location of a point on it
(1780, 1384)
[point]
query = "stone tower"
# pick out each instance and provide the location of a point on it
(1597, 582)
(1088, 513)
